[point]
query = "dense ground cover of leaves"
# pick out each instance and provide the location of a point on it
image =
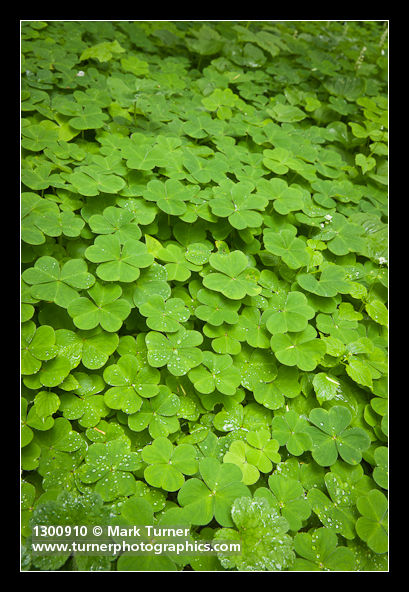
(204, 288)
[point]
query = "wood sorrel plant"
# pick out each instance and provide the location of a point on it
(204, 289)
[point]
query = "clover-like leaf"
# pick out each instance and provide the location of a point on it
(226, 339)
(108, 467)
(377, 311)
(288, 313)
(287, 496)
(204, 262)
(331, 282)
(119, 221)
(237, 455)
(236, 202)
(93, 181)
(380, 472)
(84, 403)
(256, 366)
(41, 177)
(303, 349)
(290, 430)
(140, 153)
(285, 198)
(97, 346)
(26, 433)
(53, 283)
(337, 510)
(158, 414)
(90, 117)
(331, 436)
(319, 551)
(178, 351)
(46, 404)
(167, 464)
(170, 196)
(106, 308)
(131, 381)
(232, 278)
(36, 137)
(103, 52)
(213, 494)
(215, 309)
(176, 265)
(215, 372)
(263, 451)
(253, 322)
(61, 449)
(39, 217)
(272, 393)
(164, 315)
(152, 280)
(342, 236)
(38, 345)
(118, 262)
(372, 526)
(284, 244)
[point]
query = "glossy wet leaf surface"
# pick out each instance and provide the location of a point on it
(204, 288)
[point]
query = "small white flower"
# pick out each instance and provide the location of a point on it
(322, 224)
(80, 73)
(328, 217)
(382, 260)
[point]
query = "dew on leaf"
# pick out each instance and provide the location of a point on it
(204, 232)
